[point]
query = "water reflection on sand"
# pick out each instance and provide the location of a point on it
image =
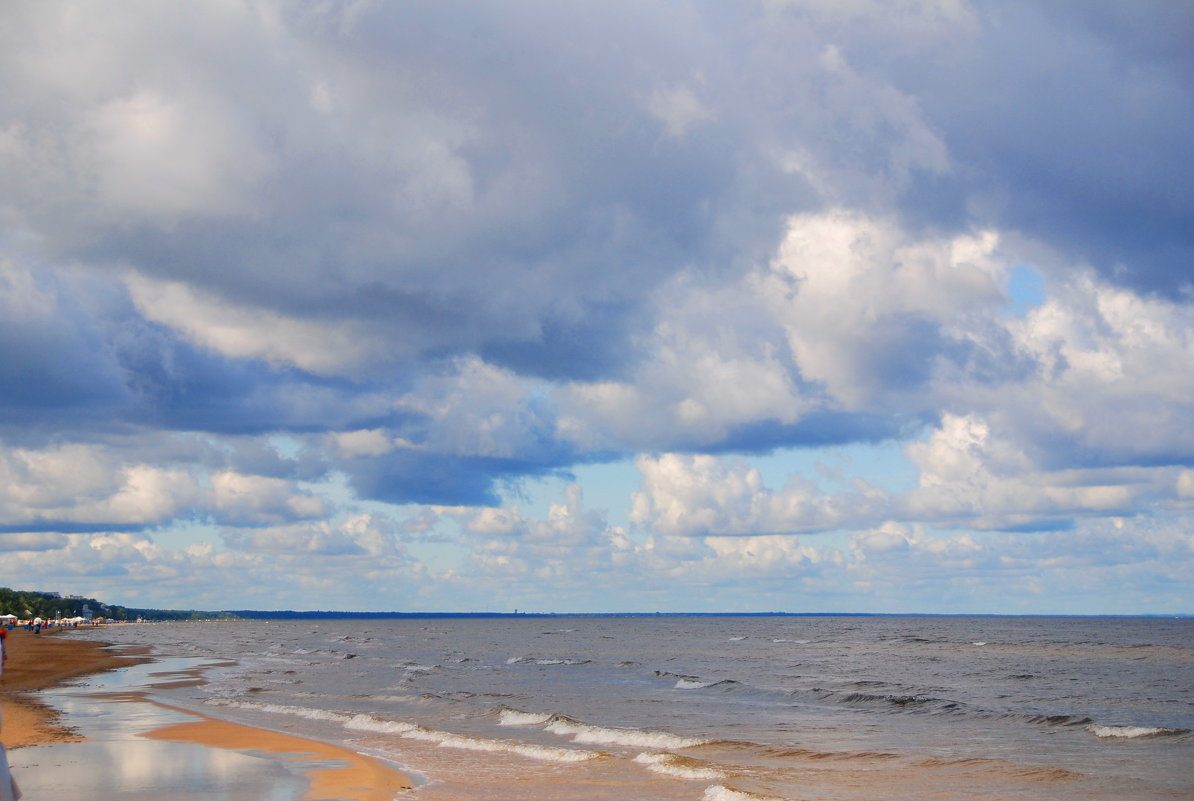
(116, 762)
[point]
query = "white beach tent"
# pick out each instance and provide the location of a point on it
(8, 617)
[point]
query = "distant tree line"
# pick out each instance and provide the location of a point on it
(50, 605)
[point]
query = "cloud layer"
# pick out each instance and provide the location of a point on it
(335, 303)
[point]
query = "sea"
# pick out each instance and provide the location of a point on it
(716, 708)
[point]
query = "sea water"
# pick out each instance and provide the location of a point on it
(720, 708)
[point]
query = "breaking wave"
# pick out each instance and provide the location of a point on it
(513, 717)
(679, 767)
(636, 738)
(410, 731)
(1133, 732)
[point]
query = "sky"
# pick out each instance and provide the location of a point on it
(804, 306)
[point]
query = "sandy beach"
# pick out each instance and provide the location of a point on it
(53, 753)
(38, 662)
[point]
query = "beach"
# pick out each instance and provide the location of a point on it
(114, 741)
(38, 662)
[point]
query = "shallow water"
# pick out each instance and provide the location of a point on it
(116, 762)
(722, 707)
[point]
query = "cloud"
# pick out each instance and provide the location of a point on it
(276, 269)
(80, 487)
(704, 496)
(81, 484)
(358, 535)
(678, 109)
(247, 333)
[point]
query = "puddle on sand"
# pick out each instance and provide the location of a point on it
(117, 763)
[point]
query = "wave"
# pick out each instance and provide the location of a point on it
(282, 709)
(1059, 720)
(1003, 768)
(530, 660)
(897, 701)
(831, 756)
(695, 684)
(719, 792)
(595, 735)
(663, 674)
(514, 717)
(1133, 732)
(368, 723)
(679, 767)
(636, 738)
(410, 731)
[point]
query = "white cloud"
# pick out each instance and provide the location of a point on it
(359, 535)
(702, 495)
(365, 442)
(156, 156)
(242, 332)
(86, 484)
(678, 109)
(1105, 354)
(851, 292)
(244, 499)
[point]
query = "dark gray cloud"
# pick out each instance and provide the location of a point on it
(1068, 121)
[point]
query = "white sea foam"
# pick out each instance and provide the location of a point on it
(672, 765)
(737, 639)
(636, 738)
(512, 717)
(691, 684)
(720, 792)
(443, 739)
(399, 699)
(979, 644)
(1128, 732)
(521, 660)
(281, 709)
(371, 724)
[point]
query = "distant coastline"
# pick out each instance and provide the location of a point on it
(250, 614)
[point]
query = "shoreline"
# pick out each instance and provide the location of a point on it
(41, 662)
(32, 726)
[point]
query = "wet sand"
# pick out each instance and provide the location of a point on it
(38, 662)
(111, 739)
